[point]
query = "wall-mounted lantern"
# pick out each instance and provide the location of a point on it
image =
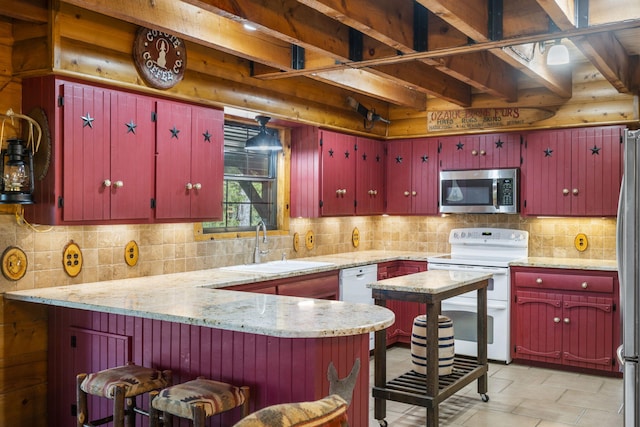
(16, 171)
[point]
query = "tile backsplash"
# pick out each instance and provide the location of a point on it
(170, 248)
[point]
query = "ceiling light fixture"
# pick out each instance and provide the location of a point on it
(249, 27)
(558, 54)
(264, 140)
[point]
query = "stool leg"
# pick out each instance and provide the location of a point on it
(198, 415)
(118, 407)
(130, 413)
(81, 401)
(245, 405)
(167, 419)
(154, 416)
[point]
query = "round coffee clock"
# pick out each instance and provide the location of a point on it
(160, 58)
(14, 263)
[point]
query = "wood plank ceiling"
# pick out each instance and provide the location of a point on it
(399, 53)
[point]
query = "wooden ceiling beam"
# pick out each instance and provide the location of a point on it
(32, 11)
(470, 16)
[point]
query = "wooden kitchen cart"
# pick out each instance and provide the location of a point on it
(430, 288)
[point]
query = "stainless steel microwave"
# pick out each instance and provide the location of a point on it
(479, 191)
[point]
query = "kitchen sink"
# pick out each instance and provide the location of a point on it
(277, 267)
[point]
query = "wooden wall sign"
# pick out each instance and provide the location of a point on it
(481, 118)
(160, 58)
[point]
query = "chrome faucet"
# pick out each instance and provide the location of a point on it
(257, 252)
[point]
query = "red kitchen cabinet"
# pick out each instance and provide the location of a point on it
(324, 285)
(323, 180)
(565, 318)
(189, 162)
(404, 311)
(370, 177)
(572, 172)
(102, 152)
(412, 177)
(487, 151)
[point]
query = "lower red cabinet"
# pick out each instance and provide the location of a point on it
(404, 311)
(565, 317)
(324, 285)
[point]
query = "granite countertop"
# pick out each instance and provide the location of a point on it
(192, 298)
(429, 282)
(569, 263)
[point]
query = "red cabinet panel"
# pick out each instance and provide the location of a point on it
(572, 172)
(189, 161)
(558, 320)
(370, 177)
(338, 174)
(487, 151)
(412, 177)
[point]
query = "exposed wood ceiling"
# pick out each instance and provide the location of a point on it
(399, 53)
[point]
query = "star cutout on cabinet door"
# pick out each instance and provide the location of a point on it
(87, 120)
(398, 159)
(460, 145)
(174, 132)
(330, 152)
(547, 152)
(378, 158)
(131, 127)
(425, 159)
(595, 150)
(207, 136)
(499, 143)
(364, 156)
(346, 154)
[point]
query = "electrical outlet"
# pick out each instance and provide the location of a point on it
(581, 243)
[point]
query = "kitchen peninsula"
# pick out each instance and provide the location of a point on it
(280, 346)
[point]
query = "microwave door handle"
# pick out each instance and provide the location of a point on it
(495, 194)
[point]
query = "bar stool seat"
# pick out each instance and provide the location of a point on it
(197, 400)
(118, 384)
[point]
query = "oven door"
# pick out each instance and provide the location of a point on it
(463, 312)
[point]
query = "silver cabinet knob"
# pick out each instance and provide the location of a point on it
(189, 186)
(566, 320)
(106, 183)
(565, 191)
(197, 186)
(118, 184)
(575, 191)
(584, 285)
(556, 320)
(539, 281)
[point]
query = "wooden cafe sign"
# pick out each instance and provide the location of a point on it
(480, 118)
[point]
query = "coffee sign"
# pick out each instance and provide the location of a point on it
(480, 118)
(160, 58)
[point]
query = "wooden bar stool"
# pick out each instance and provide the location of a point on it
(121, 384)
(196, 400)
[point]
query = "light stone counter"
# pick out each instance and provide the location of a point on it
(192, 298)
(569, 263)
(429, 282)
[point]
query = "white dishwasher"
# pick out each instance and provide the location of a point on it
(353, 287)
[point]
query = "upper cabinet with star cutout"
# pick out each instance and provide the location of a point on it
(486, 151)
(102, 158)
(412, 177)
(572, 172)
(370, 174)
(323, 173)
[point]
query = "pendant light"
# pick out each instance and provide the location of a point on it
(264, 140)
(558, 54)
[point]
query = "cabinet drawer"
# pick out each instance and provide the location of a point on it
(566, 282)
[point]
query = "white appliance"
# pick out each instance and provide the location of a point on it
(486, 250)
(353, 287)
(628, 254)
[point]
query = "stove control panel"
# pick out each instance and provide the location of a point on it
(500, 236)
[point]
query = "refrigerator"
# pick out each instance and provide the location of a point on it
(628, 257)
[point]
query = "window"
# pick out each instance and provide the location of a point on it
(250, 184)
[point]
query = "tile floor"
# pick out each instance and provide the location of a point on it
(519, 396)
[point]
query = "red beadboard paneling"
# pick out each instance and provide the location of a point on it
(278, 369)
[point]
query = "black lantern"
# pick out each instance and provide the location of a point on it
(16, 170)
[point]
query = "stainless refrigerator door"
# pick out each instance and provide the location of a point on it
(631, 404)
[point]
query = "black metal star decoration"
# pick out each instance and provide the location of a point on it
(346, 154)
(460, 145)
(547, 152)
(499, 143)
(330, 152)
(174, 132)
(595, 150)
(398, 159)
(87, 120)
(131, 127)
(364, 156)
(207, 136)
(425, 158)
